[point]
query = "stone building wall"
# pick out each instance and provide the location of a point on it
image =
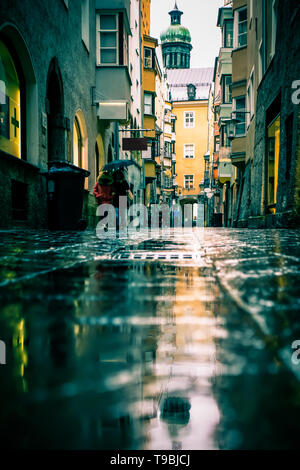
(49, 30)
(277, 84)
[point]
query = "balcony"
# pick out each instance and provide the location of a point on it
(225, 172)
(225, 111)
(113, 84)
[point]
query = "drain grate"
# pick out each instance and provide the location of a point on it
(146, 256)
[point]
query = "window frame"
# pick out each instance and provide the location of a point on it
(192, 181)
(189, 120)
(237, 24)
(118, 31)
(224, 33)
(224, 89)
(148, 93)
(187, 155)
(244, 122)
(146, 48)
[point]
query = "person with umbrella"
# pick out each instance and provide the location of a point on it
(121, 188)
(104, 190)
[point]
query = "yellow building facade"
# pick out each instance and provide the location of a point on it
(191, 145)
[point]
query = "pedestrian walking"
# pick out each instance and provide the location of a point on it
(104, 190)
(121, 188)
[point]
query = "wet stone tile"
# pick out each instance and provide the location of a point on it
(149, 353)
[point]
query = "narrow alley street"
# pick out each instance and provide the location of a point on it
(179, 340)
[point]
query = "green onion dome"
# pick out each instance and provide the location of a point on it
(176, 33)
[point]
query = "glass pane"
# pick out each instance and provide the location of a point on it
(243, 27)
(240, 103)
(148, 109)
(108, 40)
(228, 34)
(243, 15)
(240, 128)
(108, 22)
(242, 41)
(108, 56)
(148, 99)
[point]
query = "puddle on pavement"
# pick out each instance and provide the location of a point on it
(138, 356)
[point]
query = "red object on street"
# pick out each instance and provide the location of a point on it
(104, 193)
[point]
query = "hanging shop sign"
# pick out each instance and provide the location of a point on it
(135, 143)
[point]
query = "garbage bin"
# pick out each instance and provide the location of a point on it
(65, 195)
(217, 219)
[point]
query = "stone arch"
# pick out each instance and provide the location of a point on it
(79, 121)
(55, 113)
(12, 37)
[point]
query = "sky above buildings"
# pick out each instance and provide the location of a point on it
(200, 17)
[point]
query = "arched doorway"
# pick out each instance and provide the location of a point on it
(55, 113)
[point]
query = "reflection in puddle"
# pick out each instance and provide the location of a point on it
(133, 356)
(117, 356)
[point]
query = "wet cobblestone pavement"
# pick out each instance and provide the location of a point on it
(162, 341)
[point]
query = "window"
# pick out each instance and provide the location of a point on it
(10, 104)
(226, 89)
(242, 27)
(189, 151)
(148, 62)
(240, 105)
(189, 119)
(85, 23)
(191, 91)
(188, 181)
(112, 40)
(148, 103)
(224, 137)
(228, 33)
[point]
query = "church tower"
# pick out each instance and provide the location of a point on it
(176, 43)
